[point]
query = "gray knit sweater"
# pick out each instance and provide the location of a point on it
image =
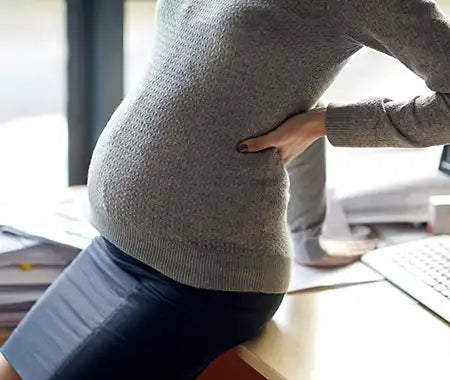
(166, 182)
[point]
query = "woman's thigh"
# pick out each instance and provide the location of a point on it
(109, 316)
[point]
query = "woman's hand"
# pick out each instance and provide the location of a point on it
(292, 137)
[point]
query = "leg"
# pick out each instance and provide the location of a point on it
(6, 371)
(109, 316)
(67, 314)
(176, 331)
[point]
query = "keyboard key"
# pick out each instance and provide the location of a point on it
(439, 287)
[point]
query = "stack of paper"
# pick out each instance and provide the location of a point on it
(63, 221)
(386, 185)
(27, 268)
(15, 301)
(38, 239)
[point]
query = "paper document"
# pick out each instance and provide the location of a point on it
(11, 296)
(65, 221)
(391, 234)
(13, 243)
(11, 318)
(37, 276)
(303, 278)
(42, 254)
(381, 185)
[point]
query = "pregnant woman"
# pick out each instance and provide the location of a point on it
(194, 254)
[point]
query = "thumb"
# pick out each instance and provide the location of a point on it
(256, 144)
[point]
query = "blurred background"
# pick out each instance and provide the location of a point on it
(33, 90)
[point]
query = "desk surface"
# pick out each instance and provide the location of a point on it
(370, 331)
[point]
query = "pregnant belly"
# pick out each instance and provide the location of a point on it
(230, 201)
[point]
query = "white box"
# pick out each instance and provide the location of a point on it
(440, 214)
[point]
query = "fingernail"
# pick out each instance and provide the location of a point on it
(243, 148)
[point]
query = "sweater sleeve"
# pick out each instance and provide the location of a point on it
(417, 33)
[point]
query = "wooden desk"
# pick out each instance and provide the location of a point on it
(4, 333)
(370, 331)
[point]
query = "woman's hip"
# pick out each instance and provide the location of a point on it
(111, 316)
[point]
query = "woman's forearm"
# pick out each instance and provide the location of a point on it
(417, 33)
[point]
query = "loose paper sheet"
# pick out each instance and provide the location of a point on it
(303, 278)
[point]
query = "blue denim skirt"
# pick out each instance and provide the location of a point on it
(110, 316)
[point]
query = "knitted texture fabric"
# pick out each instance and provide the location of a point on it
(166, 183)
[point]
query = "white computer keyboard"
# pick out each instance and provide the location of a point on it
(420, 268)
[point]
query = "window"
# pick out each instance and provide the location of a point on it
(32, 97)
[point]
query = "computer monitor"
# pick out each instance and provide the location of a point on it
(444, 164)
